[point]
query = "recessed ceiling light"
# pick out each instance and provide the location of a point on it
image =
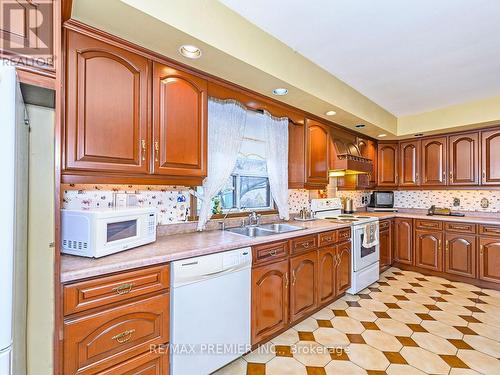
(382, 135)
(280, 91)
(330, 113)
(419, 135)
(189, 51)
(360, 126)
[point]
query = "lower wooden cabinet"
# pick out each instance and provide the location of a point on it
(304, 281)
(489, 259)
(385, 238)
(428, 249)
(269, 299)
(460, 254)
(326, 274)
(343, 269)
(145, 364)
(403, 240)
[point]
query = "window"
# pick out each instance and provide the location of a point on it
(248, 187)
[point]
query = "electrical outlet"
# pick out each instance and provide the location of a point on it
(456, 202)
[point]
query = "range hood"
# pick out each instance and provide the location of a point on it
(347, 160)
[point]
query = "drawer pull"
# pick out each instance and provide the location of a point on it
(492, 230)
(286, 279)
(273, 252)
(327, 238)
(460, 227)
(124, 288)
(124, 336)
(305, 244)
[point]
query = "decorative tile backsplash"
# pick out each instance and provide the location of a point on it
(470, 200)
(172, 202)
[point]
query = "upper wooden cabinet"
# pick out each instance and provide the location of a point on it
(107, 113)
(368, 149)
(409, 163)
(296, 153)
(317, 153)
(387, 171)
(180, 123)
(463, 160)
(490, 157)
(434, 161)
(27, 34)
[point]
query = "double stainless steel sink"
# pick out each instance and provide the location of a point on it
(264, 229)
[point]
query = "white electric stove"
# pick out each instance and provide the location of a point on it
(365, 261)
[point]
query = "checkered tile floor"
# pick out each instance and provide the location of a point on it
(406, 324)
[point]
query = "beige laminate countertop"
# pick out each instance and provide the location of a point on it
(175, 247)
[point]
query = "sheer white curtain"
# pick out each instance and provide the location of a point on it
(226, 126)
(277, 161)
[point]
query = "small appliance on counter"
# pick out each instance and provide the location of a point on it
(381, 201)
(103, 231)
(305, 214)
(433, 210)
(348, 205)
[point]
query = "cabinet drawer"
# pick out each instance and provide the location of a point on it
(303, 244)
(101, 340)
(460, 227)
(327, 238)
(428, 224)
(491, 230)
(101, 291)
(344, 234)
(384, 224)
(145, 364)
(270, 251)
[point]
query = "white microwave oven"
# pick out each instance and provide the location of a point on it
(99, 232)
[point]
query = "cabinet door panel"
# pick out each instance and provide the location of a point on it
(304, 281)
(387, 163)
(269, 299)
(368, 149)
(464, 159)
(434, 156)
(107, 90)
(490, 157)
(428, 249)
(326, 274)
(409, 160)
(296, 156)
(489, 259)
(403, 240)
(460, 254)
(386, 247)
(343, 271)
(180, 123)
(317, 144)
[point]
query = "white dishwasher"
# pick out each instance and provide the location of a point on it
(210, 311)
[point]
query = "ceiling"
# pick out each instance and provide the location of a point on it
(407, 56)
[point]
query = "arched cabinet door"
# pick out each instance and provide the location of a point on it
(326, 274)
(490, 158)
(303, 281)
(317, 154)
(409, 174)
(107, 90)
(403, 238)
(387, 163)
(428, 249)
(180, 123)
(460, 254)
(434, 155)
(463, 162)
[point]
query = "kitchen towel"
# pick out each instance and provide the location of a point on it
(370, 235)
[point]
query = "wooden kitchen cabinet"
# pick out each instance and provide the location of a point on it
(270, 288)
(385, 234)
(304, 281)
(145, 364)
(489, 259)
(317, 154)
(434, 161)
(343, 269)
(463, 159)
(490, 157)
(387, 164)
(460, 254)
(107, 109)
(368, 149)
(296, 156)
(428, 249)
(326, 274)
(409, 163)
(403, 240)
(180, 117)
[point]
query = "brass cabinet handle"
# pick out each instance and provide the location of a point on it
(439, 245)
(123, 289)
(143, 146)
(305, 244)
(124, 336)
(444, 176)
(416, 177)
(157, 150)
(286, 279)
(451, 176)
(327, 238)
(492, 230)
(272, 252)
(481, 249)
(484, 175)
(294, 279)
(459, 227)
(447, 245)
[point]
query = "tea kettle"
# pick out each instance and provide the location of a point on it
(348, 206)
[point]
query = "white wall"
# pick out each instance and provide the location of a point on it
(40, 236)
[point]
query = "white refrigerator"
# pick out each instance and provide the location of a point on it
(14, 141)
